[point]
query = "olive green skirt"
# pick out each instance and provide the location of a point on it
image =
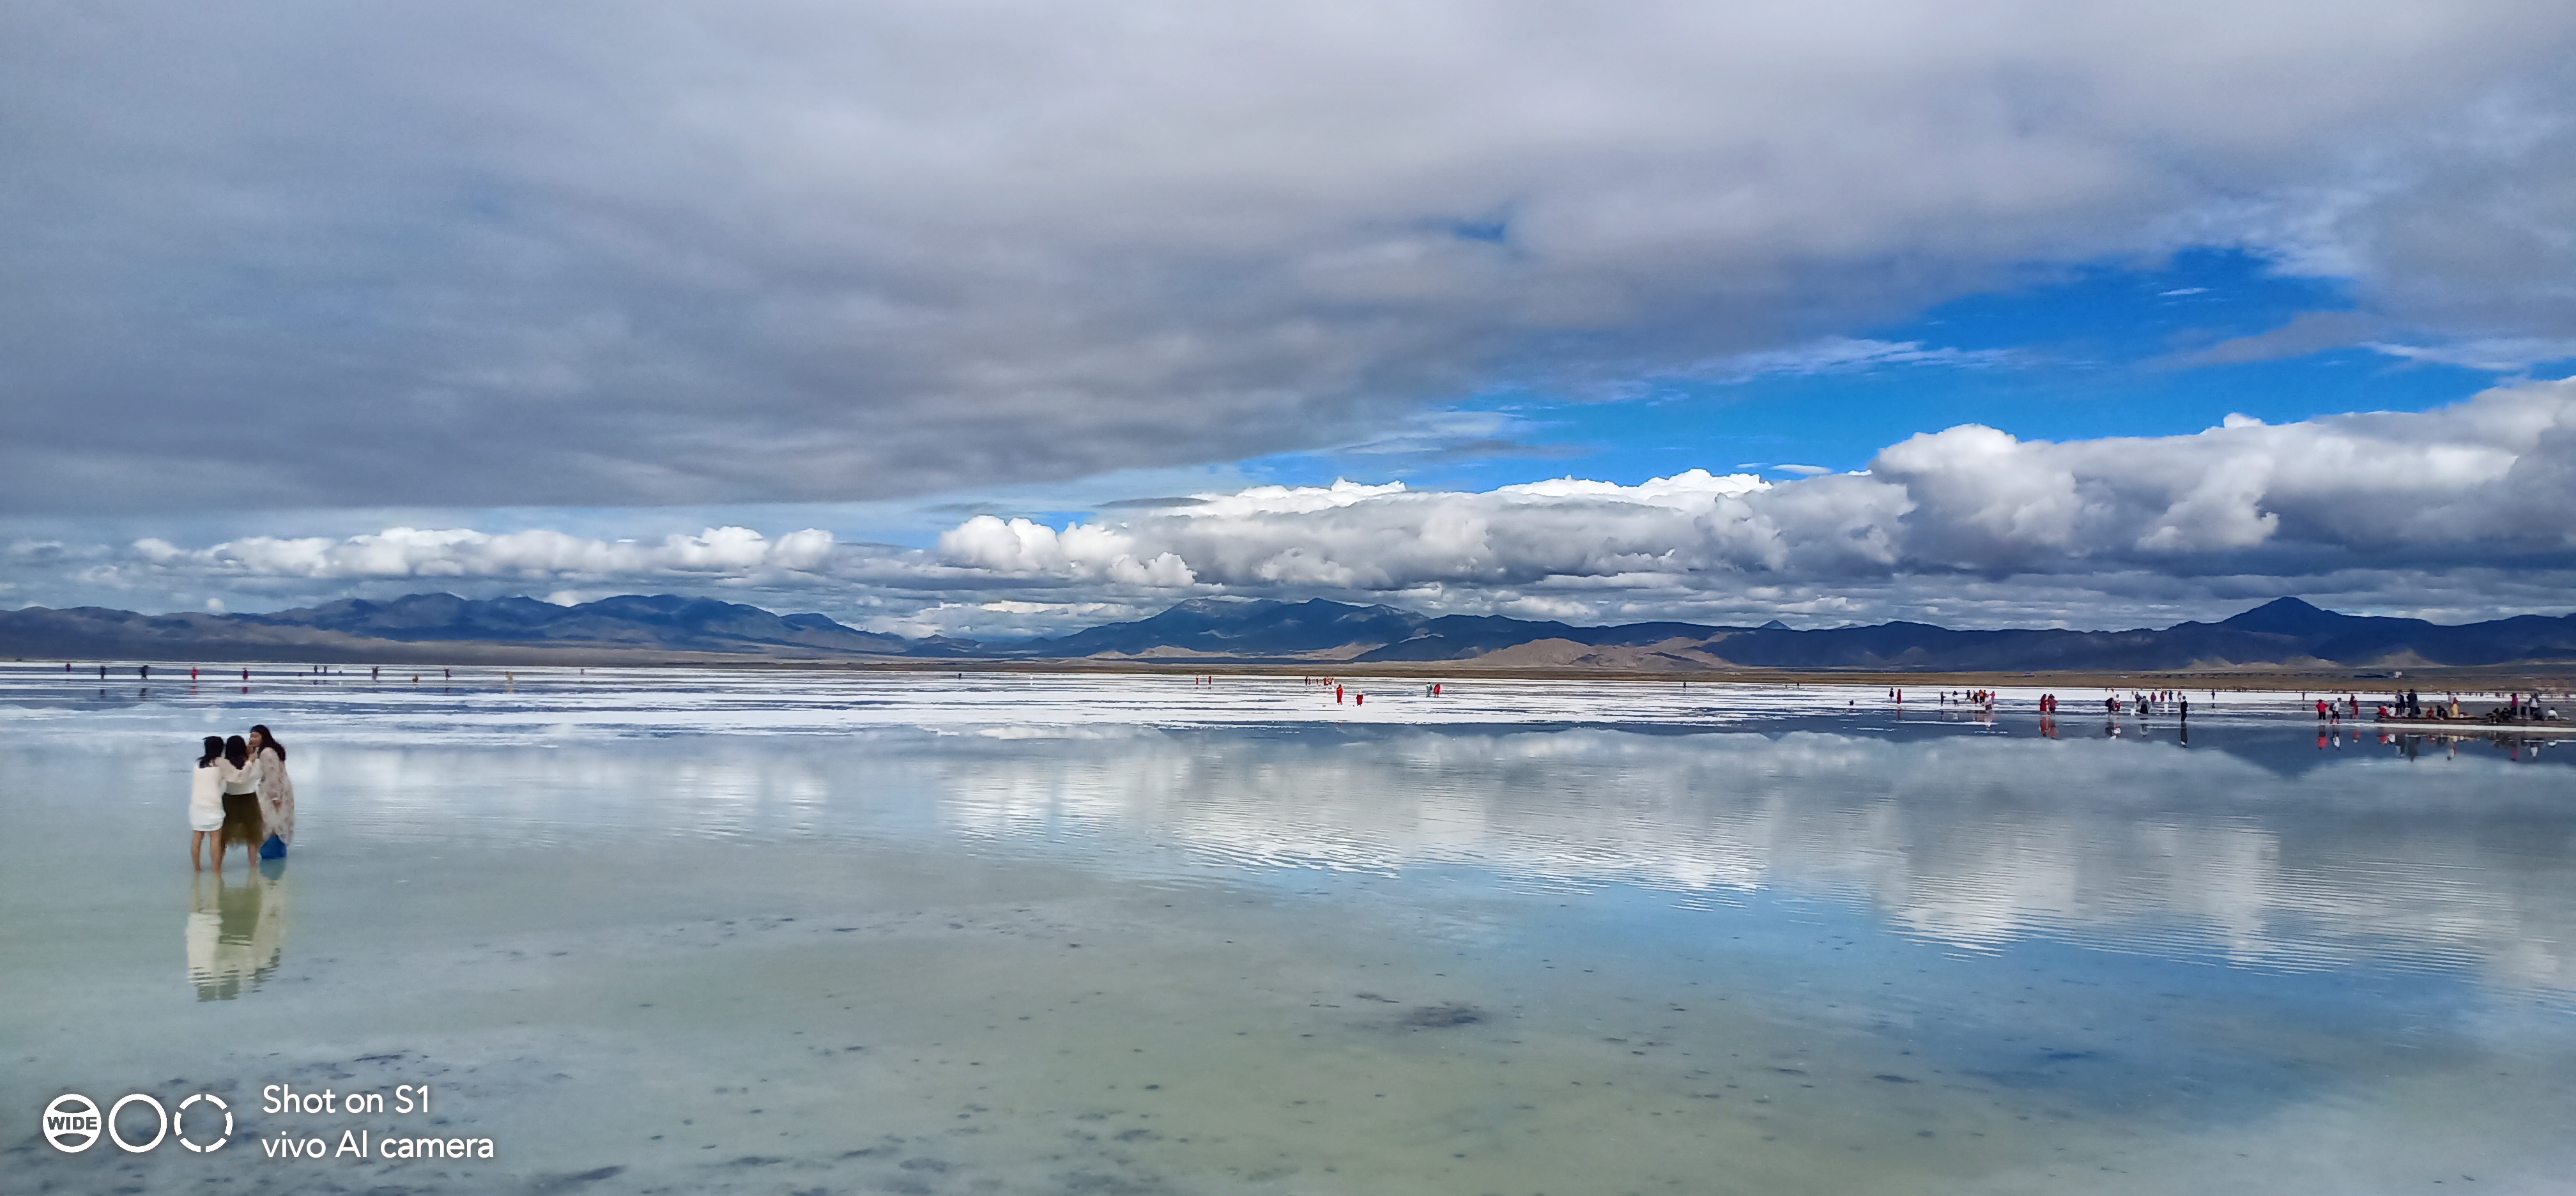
(242, 823)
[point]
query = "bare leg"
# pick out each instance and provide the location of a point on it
(197, 849)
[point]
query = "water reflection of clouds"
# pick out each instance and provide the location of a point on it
(2263, 851)
(1969, 840)
(1974, 842)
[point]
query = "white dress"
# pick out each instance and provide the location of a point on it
(206, 794)
(276, 794)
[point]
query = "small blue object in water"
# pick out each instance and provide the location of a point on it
(274, 849)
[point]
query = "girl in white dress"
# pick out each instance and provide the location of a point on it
(206, 802)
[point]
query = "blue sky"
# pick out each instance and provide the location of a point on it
(2077, 353)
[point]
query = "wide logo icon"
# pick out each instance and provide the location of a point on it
(72, 1123)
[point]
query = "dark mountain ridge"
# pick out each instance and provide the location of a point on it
(422, 627)
(2285, 631)
(465, 628)
(661, 620)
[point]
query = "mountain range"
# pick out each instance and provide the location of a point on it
(424, 628)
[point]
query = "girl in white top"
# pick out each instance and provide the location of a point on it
(245, 778)
(206, 802)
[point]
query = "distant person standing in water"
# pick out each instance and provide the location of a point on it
(206, 802)
(241, 803)
(276, 793)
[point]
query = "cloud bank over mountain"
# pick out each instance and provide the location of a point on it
(579, 254)
(2438, 498)
(2463, 511)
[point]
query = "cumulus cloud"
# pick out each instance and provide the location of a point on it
(2460, 512)
(414, 553)
(1082, 551)
(483, 253)
(2466, 487)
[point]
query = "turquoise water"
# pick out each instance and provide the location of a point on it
(747, 932)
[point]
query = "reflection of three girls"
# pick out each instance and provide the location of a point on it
(241, 793)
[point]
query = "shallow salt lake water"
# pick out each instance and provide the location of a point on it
(818, 932)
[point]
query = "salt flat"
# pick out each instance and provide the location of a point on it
(797, 931)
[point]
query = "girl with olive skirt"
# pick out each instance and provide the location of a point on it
(242, 823)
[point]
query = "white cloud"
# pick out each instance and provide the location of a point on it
(403, 552)
(2486, 480)
(2503, 355)
(1293, 500)
(2459, 512)
(1080, 550)
(760, 250)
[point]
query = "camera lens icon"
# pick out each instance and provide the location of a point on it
(160, 1122)
(179, 1119)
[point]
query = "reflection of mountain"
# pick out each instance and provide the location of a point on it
(443, 627)
(236, 932)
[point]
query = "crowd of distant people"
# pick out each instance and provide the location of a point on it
(2410, 706)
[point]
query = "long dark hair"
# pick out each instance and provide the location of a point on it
(269, 739)
(237, 751)
(214, 748)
